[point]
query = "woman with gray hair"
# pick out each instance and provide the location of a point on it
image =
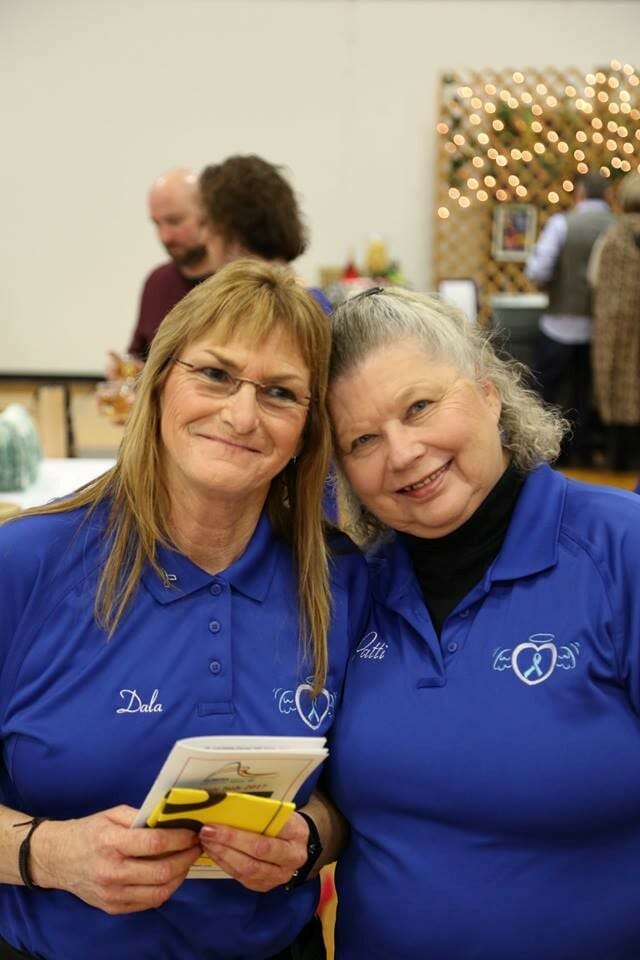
(486, 752)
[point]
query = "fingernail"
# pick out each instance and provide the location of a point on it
(209, 832)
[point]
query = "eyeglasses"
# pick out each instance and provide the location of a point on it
(271, 397)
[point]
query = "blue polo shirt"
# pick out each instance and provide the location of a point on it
(492, 775)
(86, 721)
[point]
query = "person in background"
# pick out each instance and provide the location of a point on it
(558, 264)
(170, 598)
(174, 209)
(251, 210)
(486, 752)
(615, 273)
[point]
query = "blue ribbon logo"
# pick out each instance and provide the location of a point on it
(534, 661)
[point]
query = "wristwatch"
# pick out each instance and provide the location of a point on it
(314, 849)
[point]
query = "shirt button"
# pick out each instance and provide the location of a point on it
(214, 626)
(452, 646)
(215, 666)
(215, 589)
(463, 614)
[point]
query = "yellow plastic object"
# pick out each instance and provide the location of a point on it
(192, 807)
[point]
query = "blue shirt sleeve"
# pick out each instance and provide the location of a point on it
(321, 298)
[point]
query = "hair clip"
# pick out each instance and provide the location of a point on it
(367, 293)
(360, 296)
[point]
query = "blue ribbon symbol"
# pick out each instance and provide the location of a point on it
(535, 666)
(313, 716)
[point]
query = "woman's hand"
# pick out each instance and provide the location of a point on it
(110, 866)
(259, 863)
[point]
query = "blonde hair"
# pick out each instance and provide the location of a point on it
(530, 431)
(249, 298)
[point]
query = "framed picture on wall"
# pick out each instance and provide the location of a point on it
(514, 231)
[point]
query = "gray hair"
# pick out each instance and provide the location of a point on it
(531, 432)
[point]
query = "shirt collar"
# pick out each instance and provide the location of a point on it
(391, 571)
(530, 545)
(592, 203)
(251, 574)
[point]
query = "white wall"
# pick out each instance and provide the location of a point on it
(98, 96)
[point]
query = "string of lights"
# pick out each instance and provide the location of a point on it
(529, 139)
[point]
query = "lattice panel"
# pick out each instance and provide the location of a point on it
(521, 137)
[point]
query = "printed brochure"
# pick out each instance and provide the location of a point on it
(200, 772)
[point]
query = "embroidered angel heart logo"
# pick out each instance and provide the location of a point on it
(534, 660)
(313, 710)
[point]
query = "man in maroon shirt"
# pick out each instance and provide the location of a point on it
(174, 208)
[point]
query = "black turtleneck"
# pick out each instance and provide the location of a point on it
(448, 567)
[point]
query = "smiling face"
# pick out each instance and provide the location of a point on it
(230, 447)
(417, 440)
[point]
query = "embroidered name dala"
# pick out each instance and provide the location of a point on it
(135, 703)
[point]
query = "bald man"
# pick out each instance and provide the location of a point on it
(175, 211)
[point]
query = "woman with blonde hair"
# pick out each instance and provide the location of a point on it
(176, 596)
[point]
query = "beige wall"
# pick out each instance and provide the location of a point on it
(98, 97)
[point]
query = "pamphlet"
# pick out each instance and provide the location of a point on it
(269, 767)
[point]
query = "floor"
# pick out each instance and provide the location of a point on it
(626, 481)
